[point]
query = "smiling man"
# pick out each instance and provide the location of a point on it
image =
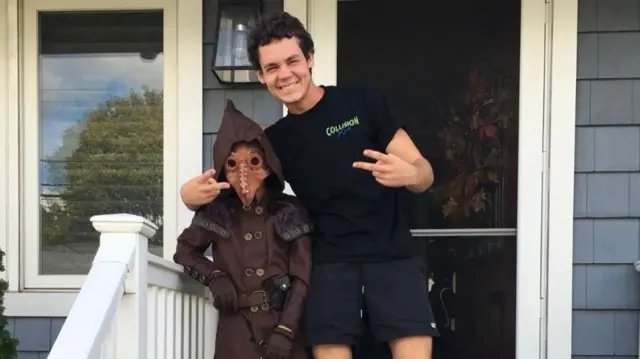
(347, 159)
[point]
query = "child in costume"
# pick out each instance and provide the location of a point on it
(261, 248)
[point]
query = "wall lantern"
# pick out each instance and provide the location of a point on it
(230, 63)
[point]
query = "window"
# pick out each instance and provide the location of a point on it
(96, 106)
(101, 136)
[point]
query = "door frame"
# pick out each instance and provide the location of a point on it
(561, 103)
(545, 183)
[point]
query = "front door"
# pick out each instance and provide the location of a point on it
(451, 73)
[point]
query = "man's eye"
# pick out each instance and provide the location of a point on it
(231, 163)
(255, 161)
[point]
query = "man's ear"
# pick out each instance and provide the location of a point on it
(260, 77)
(311, 61)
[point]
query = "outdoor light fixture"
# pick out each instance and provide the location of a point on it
(230, 63)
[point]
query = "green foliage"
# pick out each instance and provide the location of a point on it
(112, 162)
(8, 345)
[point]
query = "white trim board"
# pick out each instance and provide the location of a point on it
(10, 177)
(39, 304)
(4, 124)
(190, 113)
(529, 334)
(562, 112)
(325, 39)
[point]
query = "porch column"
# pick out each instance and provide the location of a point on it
(322, 23)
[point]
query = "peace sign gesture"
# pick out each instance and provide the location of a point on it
(389, 170)
(201, 189)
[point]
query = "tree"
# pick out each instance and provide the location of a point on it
(111, 162)
(8, 345)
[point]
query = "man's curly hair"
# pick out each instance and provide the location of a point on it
(277, 26)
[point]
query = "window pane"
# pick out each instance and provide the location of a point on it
(101, 129)
(453, 80)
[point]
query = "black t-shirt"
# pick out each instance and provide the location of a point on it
(356, 218)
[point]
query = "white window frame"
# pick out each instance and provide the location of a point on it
(4, 129)
(545, 183)
(182, 121)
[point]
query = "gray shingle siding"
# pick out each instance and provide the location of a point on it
(36, 335)
(606, 288)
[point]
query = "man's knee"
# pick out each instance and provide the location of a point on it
(414, 347)
(331, 351)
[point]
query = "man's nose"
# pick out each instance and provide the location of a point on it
(285, 72)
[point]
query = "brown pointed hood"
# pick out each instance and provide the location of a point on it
(236, 127)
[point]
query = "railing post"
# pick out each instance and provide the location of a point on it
(210, 323)
(131, 318)
(210, 327)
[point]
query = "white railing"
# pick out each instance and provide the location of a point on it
(134, 304)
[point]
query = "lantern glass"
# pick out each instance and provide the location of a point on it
(231, 61)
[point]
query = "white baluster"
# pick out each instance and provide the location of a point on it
(211, 328)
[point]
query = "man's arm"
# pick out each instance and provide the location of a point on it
(403, 147)
(191, 207)
(401, 165)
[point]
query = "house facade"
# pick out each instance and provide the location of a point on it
(576, 223)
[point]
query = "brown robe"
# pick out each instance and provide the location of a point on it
(251, 244)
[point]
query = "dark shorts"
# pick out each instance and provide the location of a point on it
(394, 294)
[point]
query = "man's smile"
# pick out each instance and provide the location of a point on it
(288, 86)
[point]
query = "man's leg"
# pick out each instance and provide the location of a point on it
(396, 296)
(412, 347)
(329, 351)
(332, 318)
(368, 347)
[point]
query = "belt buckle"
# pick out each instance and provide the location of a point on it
(261, 293)
(264, 305)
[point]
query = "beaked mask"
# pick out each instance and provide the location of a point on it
(246, 170)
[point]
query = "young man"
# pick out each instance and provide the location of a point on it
(346, 158)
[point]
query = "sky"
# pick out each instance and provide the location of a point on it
(73, 84)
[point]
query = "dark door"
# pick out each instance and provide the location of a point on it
(450, 72)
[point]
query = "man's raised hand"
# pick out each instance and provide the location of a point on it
(389, 170)
(201, 189)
